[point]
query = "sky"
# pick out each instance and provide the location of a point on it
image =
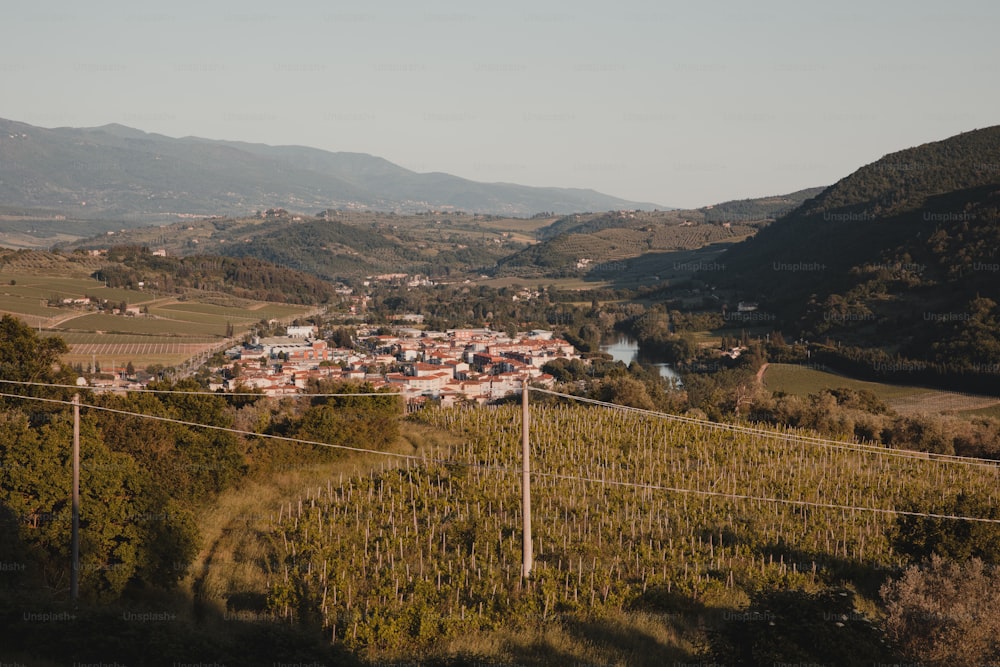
(679, 104)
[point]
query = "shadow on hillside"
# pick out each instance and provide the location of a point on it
(15, 573)
(152, 628)
(656, 267)
(867, 578)
(632, 638)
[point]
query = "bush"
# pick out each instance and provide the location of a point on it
(789, 626)
(921, 537)
(944, 613)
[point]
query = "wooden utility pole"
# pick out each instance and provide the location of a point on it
(525, 483)
(74, 575)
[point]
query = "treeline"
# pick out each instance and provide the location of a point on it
(961, 373)
(857, 414)
(903, 180)
(244, 277)
(760, 209)
(503, 309)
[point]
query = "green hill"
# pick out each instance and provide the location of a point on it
(595, 243)
(899, 259)
(758, 209)
(335, 245)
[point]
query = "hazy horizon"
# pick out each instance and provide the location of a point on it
(675, 105)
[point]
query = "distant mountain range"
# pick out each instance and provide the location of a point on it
(117, 171)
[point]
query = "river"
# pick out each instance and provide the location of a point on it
(626, 350)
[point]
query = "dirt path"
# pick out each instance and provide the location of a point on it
(230, 573)
(760, 373)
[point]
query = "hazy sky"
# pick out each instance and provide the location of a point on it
(677, 103)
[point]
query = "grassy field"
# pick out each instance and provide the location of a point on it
(211, 309)
(33, 286)
(203, 318)
(907, 400)
(171, 334)
(992, 411)
(28, 306)
(28, 295)
(803, 380)
(277, 311)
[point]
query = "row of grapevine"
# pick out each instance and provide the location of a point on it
(401, 557)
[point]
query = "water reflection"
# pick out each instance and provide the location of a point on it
(626, 350)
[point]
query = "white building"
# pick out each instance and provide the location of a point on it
(301, 332)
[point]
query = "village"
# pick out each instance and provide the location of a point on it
(458, 365)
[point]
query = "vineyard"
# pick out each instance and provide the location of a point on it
(630, 512)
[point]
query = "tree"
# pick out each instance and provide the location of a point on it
(35, 482)
(625, 391)
(921, 537)
(945, 613)
(24, 357)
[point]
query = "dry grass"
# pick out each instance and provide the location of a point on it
(622, 638)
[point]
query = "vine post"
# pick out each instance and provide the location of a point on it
(525, 483)
(74, 575)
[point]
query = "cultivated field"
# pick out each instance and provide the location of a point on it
(172, 332)
(169, 335)
(116, 350)
(803, 380)
(633, 515)
(907, 400)
(142, 325)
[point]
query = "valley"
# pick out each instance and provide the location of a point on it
(829, 424)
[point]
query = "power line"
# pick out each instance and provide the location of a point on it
(807, 439)
(704, 423)
(784, 501)
(514, 471)
(189, 393)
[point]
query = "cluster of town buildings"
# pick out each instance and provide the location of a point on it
(477, 365)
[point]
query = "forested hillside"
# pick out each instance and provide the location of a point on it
(899, 261)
